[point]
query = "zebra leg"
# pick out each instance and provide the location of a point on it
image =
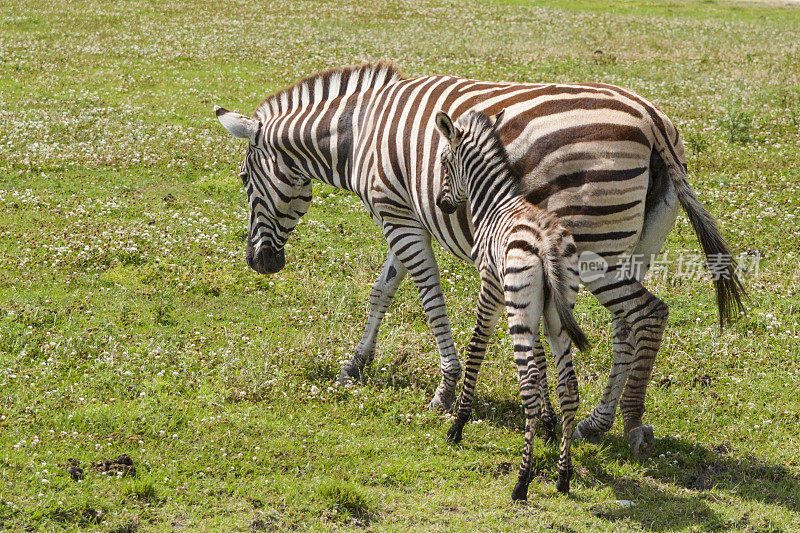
(592, 428)
(529, 364)
(490, 305)
(567, 389)
(647, 327)
(524, 296)
(659, 222)
(412, 246)
(548, 420)
(646, 317)
(380, 297)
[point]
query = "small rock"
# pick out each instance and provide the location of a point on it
(625, 503)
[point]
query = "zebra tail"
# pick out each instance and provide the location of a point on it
(728, 286)
(559, 279)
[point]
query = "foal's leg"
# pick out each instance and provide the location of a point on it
(567, 388)
(524, 295)
(490, 304)
(548, 419)
(530, 365)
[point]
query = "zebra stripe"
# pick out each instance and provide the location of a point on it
(369, 130)
(524, 254)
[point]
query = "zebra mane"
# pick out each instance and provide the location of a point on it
(328, 84)
(481, 126)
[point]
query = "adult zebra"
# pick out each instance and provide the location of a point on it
(599, 156)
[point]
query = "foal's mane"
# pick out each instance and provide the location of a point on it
(479, 122)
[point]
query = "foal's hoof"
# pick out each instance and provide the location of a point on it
(585, 432)
(520, 492)
(563, 481)
(642, 441)
(454, 433)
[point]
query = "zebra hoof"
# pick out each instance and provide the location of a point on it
(454, 433)
(442, 402)
(563, 481)
(520, 492)
(584, 432)
(642, 441)
(348, 375)
(353, 370)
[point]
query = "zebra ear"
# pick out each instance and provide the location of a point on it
(449, 131)
(496, 119)
(239, 126)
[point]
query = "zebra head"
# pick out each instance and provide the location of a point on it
(277, 195)
(462, 156)
(454, 187)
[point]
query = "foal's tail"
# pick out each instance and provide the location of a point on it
(560, 260)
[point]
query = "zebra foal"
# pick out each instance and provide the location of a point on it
(528, 263)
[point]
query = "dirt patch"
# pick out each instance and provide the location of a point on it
(129, 526)
(74, 469)
(503, 469)
(704, 479)
(702, 381)
(723, 449)
(119, 466)
(495, 471)
(264, 523)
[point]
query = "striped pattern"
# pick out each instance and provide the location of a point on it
(370, 131)
(528, 263)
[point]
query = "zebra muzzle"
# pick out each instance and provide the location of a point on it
(267, 261)
(445, 204)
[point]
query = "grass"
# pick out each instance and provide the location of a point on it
(129, 322)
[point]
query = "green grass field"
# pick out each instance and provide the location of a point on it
(129, 322)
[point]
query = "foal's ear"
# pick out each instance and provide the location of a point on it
(239, 126)
(449, 131)
(496, 119)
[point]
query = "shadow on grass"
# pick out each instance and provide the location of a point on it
(672, 493)
(668, 495)
(699, 473)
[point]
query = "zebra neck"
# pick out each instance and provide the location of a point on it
(488, 197)
(320, 139)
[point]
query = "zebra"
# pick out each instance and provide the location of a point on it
(602, 158)
(528, 263)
